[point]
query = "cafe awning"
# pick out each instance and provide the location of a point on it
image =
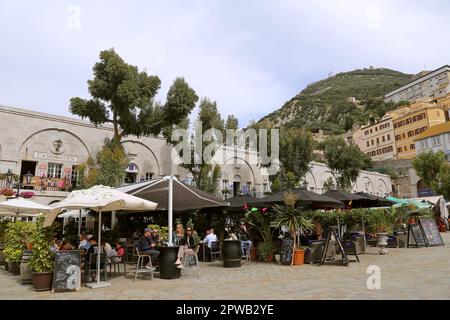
(306, 198)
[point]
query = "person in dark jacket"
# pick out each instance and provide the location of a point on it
(243, 235)
(147, 247)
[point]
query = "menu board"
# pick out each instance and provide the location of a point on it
(431, 232)
(67, 273)
(286, 251)
(415, 236)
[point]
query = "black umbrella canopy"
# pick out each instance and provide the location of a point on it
(304, 197)
(185, 197)
(344, 196)
(376, 201)
(239, 201)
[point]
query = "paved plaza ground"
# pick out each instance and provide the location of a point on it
(406, 273)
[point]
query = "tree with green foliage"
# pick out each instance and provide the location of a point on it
(345, 161)
(124, 96)
(232, 122)
(111, 164)
(295, 155)
(205, 175)
(434, 170)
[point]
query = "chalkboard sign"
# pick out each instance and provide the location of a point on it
(286, 251)
(66, 271)
(431, 232)
(415, 236)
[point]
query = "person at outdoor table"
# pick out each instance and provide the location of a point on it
(64, 246)
(155, 236)
(178, 234)
(115, 255)
(147, 246)
(88, 243)
(317, 229)
(210, 237)
(55, 245)
(83, 241)
(137, 235)
(106, 247)
(187, 247)
(243, 235)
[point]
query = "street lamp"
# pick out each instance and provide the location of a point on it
(9, 175)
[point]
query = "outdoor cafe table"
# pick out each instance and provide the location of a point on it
(167, 259)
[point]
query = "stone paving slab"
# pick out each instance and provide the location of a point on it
(406, 273)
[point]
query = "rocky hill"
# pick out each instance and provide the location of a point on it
(337, 103)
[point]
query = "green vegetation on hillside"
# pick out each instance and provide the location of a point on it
(327, 104)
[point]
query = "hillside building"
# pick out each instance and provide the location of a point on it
(434, 84)
(436, 138)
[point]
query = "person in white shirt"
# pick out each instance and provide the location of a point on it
(83, 241)
(211, 237)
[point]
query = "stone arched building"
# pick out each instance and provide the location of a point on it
(53, 146)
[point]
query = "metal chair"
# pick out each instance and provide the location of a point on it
(190, 262)
(140, 268)
(92, 265)
(215, 250)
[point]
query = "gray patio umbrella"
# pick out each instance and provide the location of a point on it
(308, 198)
(173, 195)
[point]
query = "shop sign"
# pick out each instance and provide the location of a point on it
(54, 157)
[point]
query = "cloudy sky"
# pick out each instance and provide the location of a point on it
(249, 56)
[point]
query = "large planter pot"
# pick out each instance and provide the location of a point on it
(270, 258)
(42, 281)
(29, 245)
(382, 242)
(231, 253)
(253, 254)
(278, 258)
(25, 271)
(15, 268)
(299, 257)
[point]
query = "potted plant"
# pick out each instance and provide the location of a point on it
(291, 217)
(14, 246)
(27, 194)
(262, 221)
(266, 251)
(3, 225)
(27, 231)
(41, 262)
(7, 192)
(382, 222)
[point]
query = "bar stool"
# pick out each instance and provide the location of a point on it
(140, 268)
(187, 262)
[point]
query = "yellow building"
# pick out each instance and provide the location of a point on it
(412, 120)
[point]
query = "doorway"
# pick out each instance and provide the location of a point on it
(27, 167)
(236, 188)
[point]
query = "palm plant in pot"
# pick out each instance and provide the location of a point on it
(262, 220)
(291, 217)
(41, 262)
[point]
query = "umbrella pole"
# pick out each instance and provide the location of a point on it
(170, 209)
(98, 245)
(79, 224)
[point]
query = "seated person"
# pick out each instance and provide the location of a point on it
(93, 247)
(64, 246)
(83, 241)
(243, 235)
(187, 247)
(147, 247)
(116, 254)
(155, 237)
(178, 235)
(210, 238)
